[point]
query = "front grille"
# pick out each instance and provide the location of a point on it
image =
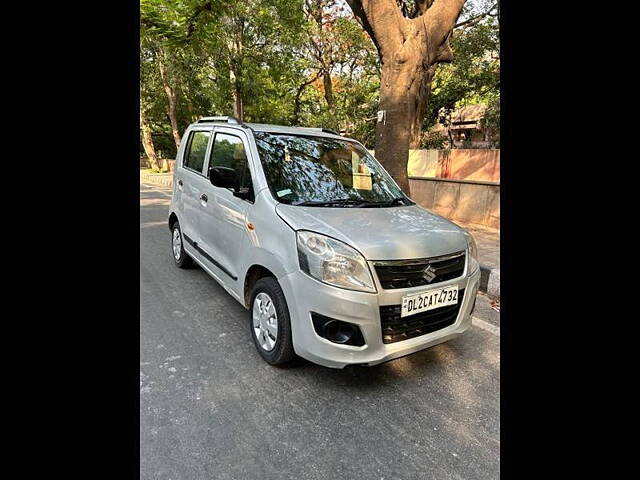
(396, 328)
(411, 273)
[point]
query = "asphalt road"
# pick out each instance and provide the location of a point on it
(211, 408)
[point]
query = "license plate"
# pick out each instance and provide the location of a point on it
(422, 302)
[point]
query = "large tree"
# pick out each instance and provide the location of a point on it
(411, 37)
(157, 35)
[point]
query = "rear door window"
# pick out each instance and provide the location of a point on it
(196, 151)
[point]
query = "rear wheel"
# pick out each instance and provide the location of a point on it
(270, 323)
(182, 258)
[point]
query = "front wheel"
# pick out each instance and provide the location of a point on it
(270, 322)
(182, 258)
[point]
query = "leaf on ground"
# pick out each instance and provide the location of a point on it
(495, 304)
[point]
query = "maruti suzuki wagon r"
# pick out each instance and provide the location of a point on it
(307, 231)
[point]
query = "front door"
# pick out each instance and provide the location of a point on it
(223, 221)
(190, 181)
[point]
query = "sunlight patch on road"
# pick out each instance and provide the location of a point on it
(162, 189)
(146, 202)
(153, 224)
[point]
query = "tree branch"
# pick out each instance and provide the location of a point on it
(383, 21)
(361, 17)
(445, 54)
(299, 90)
(439, 21)
(473, 20)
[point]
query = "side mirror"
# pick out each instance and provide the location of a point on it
(224, 177)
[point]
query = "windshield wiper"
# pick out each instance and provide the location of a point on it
(400, 201)
(342, 202)
(351, 202)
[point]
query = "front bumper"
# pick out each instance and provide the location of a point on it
(305, 294)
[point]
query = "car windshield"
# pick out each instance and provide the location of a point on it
(322, 171)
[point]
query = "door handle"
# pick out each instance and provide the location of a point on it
(180, 184)
(204, 199)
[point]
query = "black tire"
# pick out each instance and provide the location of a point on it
(282, 351)
(184, 260)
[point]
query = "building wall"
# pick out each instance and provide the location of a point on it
(460, 184)
(457, 164)
(466, 201)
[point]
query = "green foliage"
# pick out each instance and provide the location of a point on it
(278, 50)
(340, 46)
(434, 140)
(474, 75)
(491, 121)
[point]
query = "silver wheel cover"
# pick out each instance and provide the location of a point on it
(265, 321)
(176, 244)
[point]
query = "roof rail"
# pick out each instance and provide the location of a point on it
(325, 130)
(227, 119)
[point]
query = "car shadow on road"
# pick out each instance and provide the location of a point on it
(426, 363)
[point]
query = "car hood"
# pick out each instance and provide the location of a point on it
(393, 233)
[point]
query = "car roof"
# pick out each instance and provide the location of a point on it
(282, 129)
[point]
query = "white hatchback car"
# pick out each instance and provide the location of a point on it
(309, 233)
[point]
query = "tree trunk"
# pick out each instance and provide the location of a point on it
(403, 90)
(295, 116)
(328, 89)
(171, 98)
(409, 48)
(147, 143)
(238, 107)
(392, 133)
(422, 99)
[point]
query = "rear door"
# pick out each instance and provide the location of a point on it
(191, 181)
(224, 225)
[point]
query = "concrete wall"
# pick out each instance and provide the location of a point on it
(463, 200)
(165, 179)
(144, 162)
(460, 184)
(459, 164)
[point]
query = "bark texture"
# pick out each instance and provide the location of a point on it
(238, 106)
(147, 142)
(410, 44)
(172, 98)
(328, 89)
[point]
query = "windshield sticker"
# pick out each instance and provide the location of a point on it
(362, 181)
(282, 193)
(358, 165)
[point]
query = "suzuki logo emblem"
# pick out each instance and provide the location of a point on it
(429, 273)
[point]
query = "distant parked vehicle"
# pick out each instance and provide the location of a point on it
(309, 233)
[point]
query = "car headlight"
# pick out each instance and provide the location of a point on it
(333, 262)
(473, 255)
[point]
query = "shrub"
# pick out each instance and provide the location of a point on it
(434, 140)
